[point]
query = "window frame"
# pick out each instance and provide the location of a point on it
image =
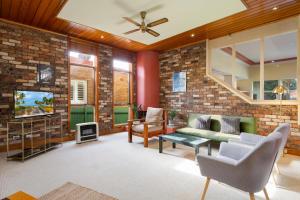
(290, 25)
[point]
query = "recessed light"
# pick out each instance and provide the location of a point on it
(102, 36)
(192, 35)
(275, 8)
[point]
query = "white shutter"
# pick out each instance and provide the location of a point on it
(79, 91)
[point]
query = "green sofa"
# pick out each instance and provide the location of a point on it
(247, 124)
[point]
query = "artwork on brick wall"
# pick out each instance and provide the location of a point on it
(179, 82)
(46, 74)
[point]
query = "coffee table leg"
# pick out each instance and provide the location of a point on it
(196, 151)
(209, 149)
(173, 145)
(160, 144)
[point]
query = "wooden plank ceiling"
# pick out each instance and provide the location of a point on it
(42, 14)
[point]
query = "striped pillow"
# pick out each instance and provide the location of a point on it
(230, 125)
(202, 122)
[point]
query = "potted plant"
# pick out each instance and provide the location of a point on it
(172, 115)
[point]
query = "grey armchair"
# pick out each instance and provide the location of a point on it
(237, 165)
(252, 140)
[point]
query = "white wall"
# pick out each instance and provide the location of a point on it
(222, 62)
(273, 71)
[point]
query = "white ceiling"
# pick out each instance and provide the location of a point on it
(276, 47)
(183, 15)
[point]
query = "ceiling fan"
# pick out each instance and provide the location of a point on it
(145, 27)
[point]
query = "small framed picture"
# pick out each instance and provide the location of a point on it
(179, 82)
(46, 74)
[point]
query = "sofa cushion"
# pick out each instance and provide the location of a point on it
(230, 125)
(140, 128)
(217, 136)
(202, 122)
(154, 114)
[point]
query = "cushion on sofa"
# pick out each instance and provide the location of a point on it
(230, 125)
(203, 122)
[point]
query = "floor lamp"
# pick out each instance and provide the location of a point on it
(280, 90)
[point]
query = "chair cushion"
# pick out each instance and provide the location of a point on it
(230, 125)
(154, 114)
(140, 128)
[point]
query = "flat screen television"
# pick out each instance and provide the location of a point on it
(33, 103)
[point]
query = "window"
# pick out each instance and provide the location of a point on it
(121, 65)
(289, 84)
(121, 89)
(82, 59)
(78, 92)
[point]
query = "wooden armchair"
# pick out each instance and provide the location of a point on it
(155, 124)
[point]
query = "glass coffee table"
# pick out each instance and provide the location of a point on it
(187, 140)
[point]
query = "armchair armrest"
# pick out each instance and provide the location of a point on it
(251, 139)
(215, 167)
(233, 150)
(239, 142)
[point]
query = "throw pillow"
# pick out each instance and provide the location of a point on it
(204, 122)
(230, 125)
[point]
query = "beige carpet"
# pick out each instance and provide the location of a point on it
(71, 191)
(131, 172)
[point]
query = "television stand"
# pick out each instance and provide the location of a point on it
(28, 137)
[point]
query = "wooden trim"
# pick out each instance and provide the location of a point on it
(278, 60)
(240, 56)
(96, 82)
(245, 3)
(69, 87)
(80, 65)
(31, 27)
(298, 68)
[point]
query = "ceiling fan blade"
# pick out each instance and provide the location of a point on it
(158, 22)
(131, 21)
(152, 32)
(132, 31)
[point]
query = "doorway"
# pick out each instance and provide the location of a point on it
(122, 91)
(82, 91)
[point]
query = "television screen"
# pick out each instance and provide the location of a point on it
(33, 103)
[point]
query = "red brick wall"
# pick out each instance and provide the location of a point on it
(206, 96)
(21, 49)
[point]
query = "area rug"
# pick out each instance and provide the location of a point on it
(71, 191)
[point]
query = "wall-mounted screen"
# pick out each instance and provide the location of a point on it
(33, 103)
